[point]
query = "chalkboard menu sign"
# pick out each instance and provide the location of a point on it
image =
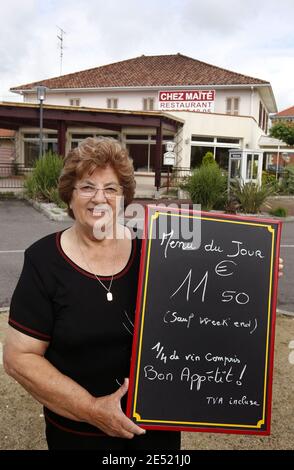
(202, 355)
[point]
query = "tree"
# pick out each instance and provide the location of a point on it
(208, 159)
(284, 132)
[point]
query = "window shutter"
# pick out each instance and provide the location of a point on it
(229, 106)
(112, 103)
(236, 106)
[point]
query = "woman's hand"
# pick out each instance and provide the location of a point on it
(107, 415)
(281, 267)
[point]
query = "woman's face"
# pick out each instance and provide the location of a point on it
(96, 200)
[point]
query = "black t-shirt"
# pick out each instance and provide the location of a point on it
(89, 337)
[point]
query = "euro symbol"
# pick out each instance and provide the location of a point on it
(224, 269)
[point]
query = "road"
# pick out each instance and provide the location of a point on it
(21, 225)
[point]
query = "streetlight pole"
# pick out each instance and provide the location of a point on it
(41, 95)
(277, 161)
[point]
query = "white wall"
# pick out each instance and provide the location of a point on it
(133, 100)
(7, 151)
(244, 100)
(242, 127)
(128, 100)
(213, 125)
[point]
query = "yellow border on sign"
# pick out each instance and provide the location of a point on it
(136, 414)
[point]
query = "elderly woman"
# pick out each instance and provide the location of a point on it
(71, 316)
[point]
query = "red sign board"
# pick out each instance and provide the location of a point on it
(187, 100)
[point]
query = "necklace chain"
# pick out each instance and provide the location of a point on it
(109, 295)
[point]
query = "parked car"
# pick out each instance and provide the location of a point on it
(276, 169)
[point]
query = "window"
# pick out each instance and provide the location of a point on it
(225, 140)
(164, 137)
(81, 136)
(32, 143)
(112, 103)
(148, 104)
(265, 122)
(219, 146)
(263, 118)
(75, 102)
(202, 138)
(232, 106)
(197, 154)
(235, 168)
(137, 137)
(222, 157)
(142, 150)
(260, 114)
(144, 156)
(252, 166)
(77, 138)
(140, 153)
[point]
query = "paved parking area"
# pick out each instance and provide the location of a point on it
(286, 290)
(21, 225)
(21, 419)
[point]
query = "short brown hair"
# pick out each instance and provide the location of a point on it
(94, 153)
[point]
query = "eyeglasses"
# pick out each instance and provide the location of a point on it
(109, 192)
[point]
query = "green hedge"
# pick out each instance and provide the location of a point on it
(207, 186)
(250, 196)
(43, 181)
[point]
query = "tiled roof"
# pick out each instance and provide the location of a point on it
(148, 71)
(289, 112)
(6, 133)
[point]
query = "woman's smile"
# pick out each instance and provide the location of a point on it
(100, 211)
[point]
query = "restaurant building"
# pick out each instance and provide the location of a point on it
(211, 108)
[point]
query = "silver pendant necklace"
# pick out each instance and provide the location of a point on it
(109, 295)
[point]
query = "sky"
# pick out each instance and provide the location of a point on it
(253, 37)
